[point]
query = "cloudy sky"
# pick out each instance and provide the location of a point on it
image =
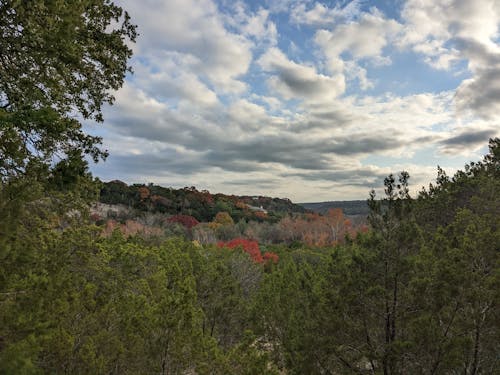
(303, 99)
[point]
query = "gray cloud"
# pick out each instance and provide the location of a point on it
(360, 177)
(264, 183)
(469, 138)
(292, 80)
(154, 164)
(318, 140)
(481, 93)
(246, 151)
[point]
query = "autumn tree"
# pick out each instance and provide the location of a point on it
(185, 220)
(248, 246)
(223, 218)
(339, 225)
(314, 229)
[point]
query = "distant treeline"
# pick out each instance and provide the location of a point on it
(350, 208)
(202, 205)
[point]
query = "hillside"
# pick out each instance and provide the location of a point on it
(202, 205)
(350, 208)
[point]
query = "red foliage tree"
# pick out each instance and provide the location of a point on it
(248, 246)
(270, 256)
(186, 220)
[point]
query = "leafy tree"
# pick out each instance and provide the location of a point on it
(57, 58)
(457, 280)
(223, 218)
(248, 246)
(285, 316)
(247, 359)
(456, 291)
(475, 188)
(366, 308)
(219, 296)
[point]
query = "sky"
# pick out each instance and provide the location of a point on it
(313, 101)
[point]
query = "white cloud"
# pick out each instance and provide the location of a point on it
(255, 25)
(171, 79)
(249, 116)
(443, 20)
(354, 71)
(446, 32)
(195, 29)
(322, 15)
(365, 38)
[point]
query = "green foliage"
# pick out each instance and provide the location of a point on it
(74, 53)
(285, 314)
(475, 188)
(57, 58)
(75, 302)
(247, 359)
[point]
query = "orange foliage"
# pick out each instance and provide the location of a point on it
(144, 193)
(260, 214)
(248, 246)
(270, 256)
(314, 229)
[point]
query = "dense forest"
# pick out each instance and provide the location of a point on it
(148, 282)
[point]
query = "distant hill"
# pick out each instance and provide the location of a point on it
(350, 208)
(202, 205)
